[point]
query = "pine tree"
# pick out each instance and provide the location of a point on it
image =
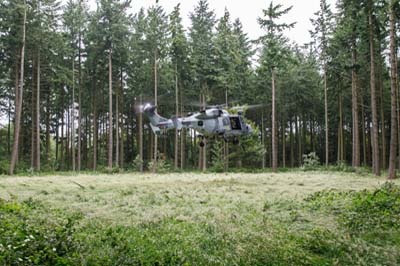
(323, 28)
(273, 55)
(19, 93)
(201, 57)
(178, 53)
(156, 39)
(375, 134)
(394, 89)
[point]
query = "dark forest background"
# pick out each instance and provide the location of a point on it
(71, 80)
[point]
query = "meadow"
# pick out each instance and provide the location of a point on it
(293, 218)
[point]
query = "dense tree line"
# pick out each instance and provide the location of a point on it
(71, 80)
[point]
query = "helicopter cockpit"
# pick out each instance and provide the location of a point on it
(236, 123)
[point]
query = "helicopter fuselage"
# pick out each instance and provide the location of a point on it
(209, 122)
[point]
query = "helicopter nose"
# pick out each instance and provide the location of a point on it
(249, 129)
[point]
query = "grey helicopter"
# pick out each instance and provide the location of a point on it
(214, 121)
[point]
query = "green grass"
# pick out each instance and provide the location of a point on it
(291, 218)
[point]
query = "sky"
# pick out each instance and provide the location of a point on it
(247, 11)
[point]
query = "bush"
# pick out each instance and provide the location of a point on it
(161, 166)
(4, 167)
(310, 161)
(27, 240)
(379, 209)
(137, 162)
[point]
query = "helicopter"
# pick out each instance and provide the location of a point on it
(214, 121)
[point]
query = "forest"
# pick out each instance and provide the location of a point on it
(71, 78)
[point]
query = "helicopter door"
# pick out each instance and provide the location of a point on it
(235, 123)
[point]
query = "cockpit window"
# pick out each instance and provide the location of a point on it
(235, 123)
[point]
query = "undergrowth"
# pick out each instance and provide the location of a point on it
(367, 232)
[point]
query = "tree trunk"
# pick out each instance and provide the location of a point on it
(141, 137)
(340, 131)
(375, 133)
(95, 131)
(121, 125)
(57, 137)
(183, 140)
(383, 131)
(176, 148)
(48, 129)
(117, 136)
(78, 159)
(18, 101)
(364, 138)
(62, 132)
(326, 117)
(354, 101)
(33, 114)
(291, 144)
(110, 112)
(393, 91)
(300, 143)
(296, 129)
(73, 115)
(283, 127)
(68, 136)
(382, 114)
(226, 144)
(263, 140)
(155, 103)
(274, 140)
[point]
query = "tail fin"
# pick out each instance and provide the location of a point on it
(156, 121)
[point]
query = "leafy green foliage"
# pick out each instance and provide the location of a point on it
(310, 161)
(217, 152)
(379, 209)
(26, 239)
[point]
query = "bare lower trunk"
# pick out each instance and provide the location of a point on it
(226, 144)
(78, 159)
(183, 140)
(363, 133)
(274, 141)
(117, 136)
(62, 134)
(95, 126)
(176, 148)
(155, 102)
(18, 101)
(326, 118)
(393, 90)
(73, 116)
(291, 144)
(263, 139)
(283, 127)
(340, 132)
(382, 114)
(140, 138)
(110, 112)
(354, 100)
(33, 114)
(375, 133)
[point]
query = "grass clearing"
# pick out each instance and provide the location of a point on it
(289, 218)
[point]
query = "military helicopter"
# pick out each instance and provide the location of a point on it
(214, 121)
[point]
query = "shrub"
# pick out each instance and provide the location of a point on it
(161, 166)
(4, 167)
(137, 162)
(310, 161)
(27, 240)
(379, 209)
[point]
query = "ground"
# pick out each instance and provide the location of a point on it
(242, 210)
